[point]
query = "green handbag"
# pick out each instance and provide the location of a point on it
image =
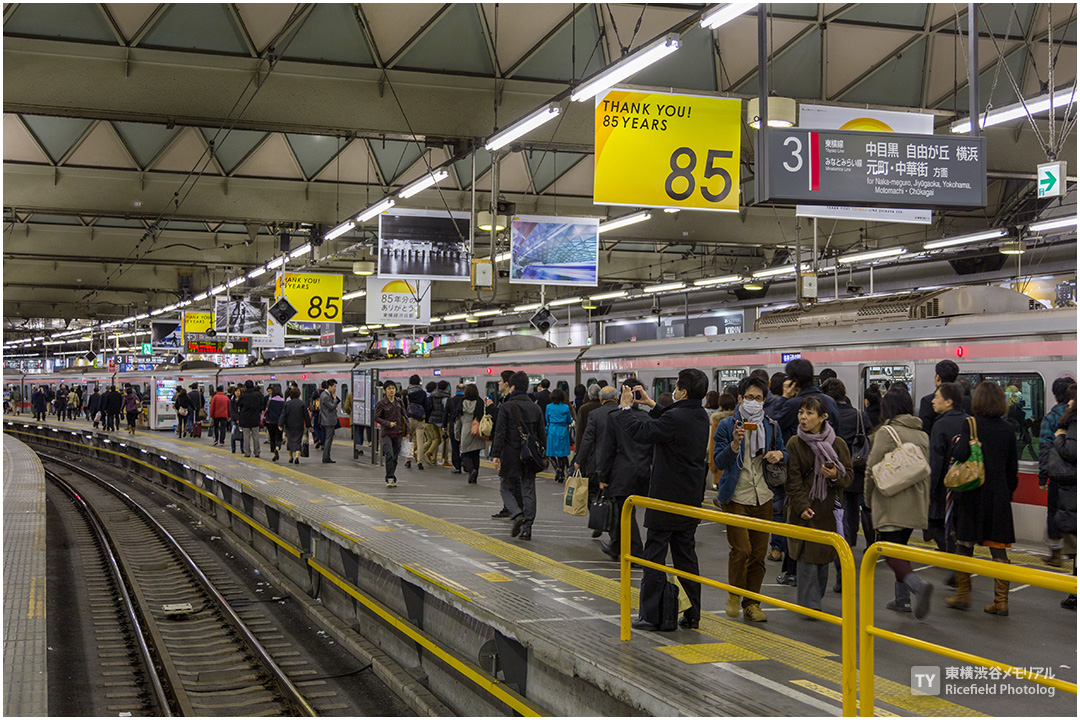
(971, 473)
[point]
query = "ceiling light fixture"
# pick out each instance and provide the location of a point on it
(302, 250)
(424, 183)
(965, 239)
(1013, 247)
(671, 211)
(627, 66)
(352, 295)
(624, 221)
(871, 255)
(487, 313)
(483, 221)
(379, 207)
(527, 307)
(363, 267)
(753, 285)
(664, 288)
(1053, 224)
(456, 316)
(609, 295)
(340, 230)
(774, 271)
(276, 262)
(726, 14)
(781, 112)
(1039, 104)
(526, 124)
(589, 304)
(470, 318)
(201, 296)
(718, 280)
(502, 257)
(217, 290)
(234, 282)
(565, 301)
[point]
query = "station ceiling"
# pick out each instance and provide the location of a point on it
(316, 110)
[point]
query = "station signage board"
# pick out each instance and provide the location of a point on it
(787, 357)
(667, 150)
(830, 167)
(316, 297)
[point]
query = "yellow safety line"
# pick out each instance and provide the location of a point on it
(478, 676)
(958, 563)
(436, 582)
(279, 501)
(334, 527)
(521, 704)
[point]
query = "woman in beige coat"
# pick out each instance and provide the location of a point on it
(896, 516)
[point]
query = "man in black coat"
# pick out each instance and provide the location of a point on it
(543, 396)
(249, 409)
(800, 383)
(949, 422)
(945, 371)
(113, 403)
(679, 434)
(93, 406)
(453, 412)
(628, 464)
(593, 437)
(517, 482)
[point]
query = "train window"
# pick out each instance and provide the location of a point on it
(590, 381)
(492, 389)
(729, 376)
(343, 394)
(308, 389)
(564, 386)
(663, 385)
(885, 375)
(1026, 397)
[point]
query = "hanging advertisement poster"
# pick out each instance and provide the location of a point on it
(554, 250)
(166, 334)
(274, 338)
(667, 150)
(405, 302)
(241, 316)
(432, 244)
(315, 297)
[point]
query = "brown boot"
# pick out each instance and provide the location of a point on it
(962, 599)
(1054, 558)
(1000, 606)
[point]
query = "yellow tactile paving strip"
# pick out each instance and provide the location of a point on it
(709, 653)
(792, 653)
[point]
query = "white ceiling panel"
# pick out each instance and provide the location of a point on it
(273, 158)
(264, 20)
(102, 148)
(185, 153)
(19, 145)
(353, 165)
(394, 24)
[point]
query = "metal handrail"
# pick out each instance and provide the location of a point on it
(846, 620)
(959, 563)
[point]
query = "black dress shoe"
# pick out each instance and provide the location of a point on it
(456, 472)
(408, 464)
(519, 520)
(504, 513)
(644, 625)
(526, 534)
(609, 551)
(687, 623)
(597, 533)
(329, 461)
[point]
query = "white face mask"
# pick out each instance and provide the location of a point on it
(753, 408)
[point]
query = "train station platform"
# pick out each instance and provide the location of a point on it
(25, 637)
(551, 605)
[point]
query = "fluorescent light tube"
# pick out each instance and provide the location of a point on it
(157, 312)
(1053, 224)
(257, 272)
(487, 313)
(340, 230)
(609, 295)
(234, 282)
(142, 317)
(527, 307)
(218, 290)
(624, 221)
(718, 280)
(565, 301)
(726, 14)
(965, 239)
(664, 288)
(627, 66)
(457, 316)
(424, 183)
(671, 211)
(502, 257)
(167, 308)
(357, 294)
(276, 262)
(772, 272)
(302, 250)
(201, 296)
(526, 124)
(871, 255)
(1039, 104)
(375, 209)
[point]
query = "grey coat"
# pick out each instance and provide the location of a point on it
(328, 405)
(470, 410)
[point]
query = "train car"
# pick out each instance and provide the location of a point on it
(307, 370)
(157, 387)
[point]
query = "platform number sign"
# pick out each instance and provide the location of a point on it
(316, 297)
(667, 150)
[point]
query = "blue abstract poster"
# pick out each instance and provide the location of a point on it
(554, 250)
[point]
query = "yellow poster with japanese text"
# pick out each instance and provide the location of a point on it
(315, 296)
(667, 150)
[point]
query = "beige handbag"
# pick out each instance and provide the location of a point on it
(901, 467)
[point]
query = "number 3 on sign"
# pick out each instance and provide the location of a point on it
(682, 175)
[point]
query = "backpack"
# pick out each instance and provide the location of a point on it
(415, 412)
(532, 456)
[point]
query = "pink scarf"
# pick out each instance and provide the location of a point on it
(822, 447)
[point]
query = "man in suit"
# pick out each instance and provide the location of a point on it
(517, 481)
(628, 464)
(679, 434)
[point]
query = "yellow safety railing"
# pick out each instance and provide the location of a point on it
(846, 620)
(959, 563)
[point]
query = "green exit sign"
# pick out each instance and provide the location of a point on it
(145, 349)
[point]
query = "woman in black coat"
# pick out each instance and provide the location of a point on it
(983, 516)
(1062, 466)
(184, 408)
(294, 423)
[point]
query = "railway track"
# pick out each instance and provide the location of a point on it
(192, 652)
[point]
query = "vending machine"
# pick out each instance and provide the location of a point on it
(162, 412)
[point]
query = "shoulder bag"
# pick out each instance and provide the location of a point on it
(775, 473)
(487, 426)
(602, 512)
(901, 467)
(971, 473)
(860, 446)
(532, 456)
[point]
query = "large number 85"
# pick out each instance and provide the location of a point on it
(686, 173)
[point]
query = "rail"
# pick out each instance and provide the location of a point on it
(987, 568)
(846, 620)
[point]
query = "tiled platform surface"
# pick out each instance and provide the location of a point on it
(25, 663)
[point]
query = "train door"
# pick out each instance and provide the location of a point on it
(663, 385)
(1025, 395)
(885, 375)
(730, 376)
(619, 378)
(492, 389)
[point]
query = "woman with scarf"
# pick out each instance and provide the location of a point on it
(895, 516)
(819, 468)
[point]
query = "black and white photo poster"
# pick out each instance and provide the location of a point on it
(429, 244)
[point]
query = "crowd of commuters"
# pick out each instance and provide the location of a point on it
(790, 448)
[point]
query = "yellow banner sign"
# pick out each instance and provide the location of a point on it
(665, 150)
(198, 322)
(316, 297)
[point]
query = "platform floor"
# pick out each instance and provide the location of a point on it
(25, 639)
(560, 591)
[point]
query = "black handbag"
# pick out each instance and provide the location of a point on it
(775, 474)
(532, 457)
(860, 446)
(602, 513)
(305, 447)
